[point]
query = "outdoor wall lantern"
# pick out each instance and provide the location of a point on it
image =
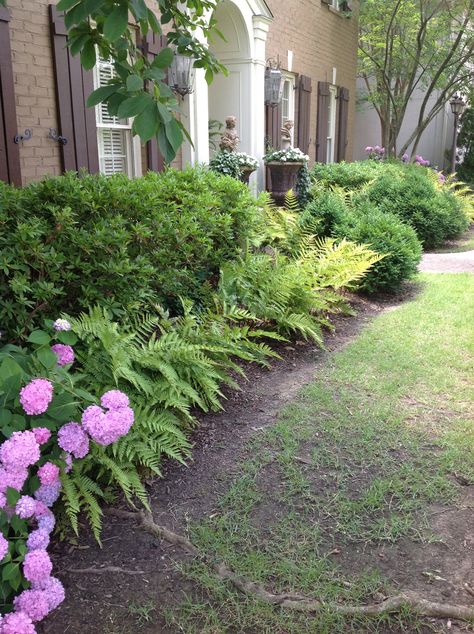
(181, 74)
(273, 83)
(457, 104)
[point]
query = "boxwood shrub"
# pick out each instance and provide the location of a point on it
(70, 242)
(408, 191)
(388, 235)
(434, 212)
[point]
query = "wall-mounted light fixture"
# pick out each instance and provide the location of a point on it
(181, 74)
(273, 83)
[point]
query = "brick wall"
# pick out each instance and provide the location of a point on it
(320, 39)
(34, 86)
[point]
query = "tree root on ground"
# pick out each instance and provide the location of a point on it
(298, 602)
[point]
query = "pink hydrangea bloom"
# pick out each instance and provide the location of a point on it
(114, 399)
(48, 473)
(20, 451)
(36, 396)
(42, 435)
(53, 589)
(120, 421)
(38, 540)
(106, 428)
(47, 522)
(61, 325)
(25, 507)
(17, 623)
(33, 603)
(65, 354)
(3, 546)
(13, 478)
(73, 439)
(37, 565)
(41, 509)
(48, 493)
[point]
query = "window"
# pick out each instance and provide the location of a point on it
(331, 138)
(119, 152)
(288, 100)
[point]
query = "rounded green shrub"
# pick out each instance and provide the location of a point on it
(348, 175)
(327, 208)
(386, 234)
(70, 242)
(412, 194)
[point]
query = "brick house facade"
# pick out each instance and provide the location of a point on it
(315, 43)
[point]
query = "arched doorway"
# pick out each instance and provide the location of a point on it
(231, 94)
(244, 25)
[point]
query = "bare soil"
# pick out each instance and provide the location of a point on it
(98, 603)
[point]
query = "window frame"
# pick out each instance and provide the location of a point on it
(332, 121)
(132, 143)
(290, 80)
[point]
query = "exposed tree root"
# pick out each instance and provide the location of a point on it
(105, 570)
(298, 602)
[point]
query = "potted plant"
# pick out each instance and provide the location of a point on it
(236, 164)
(284, 166)
(247, 165)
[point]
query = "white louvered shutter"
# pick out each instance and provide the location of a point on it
(114, 135)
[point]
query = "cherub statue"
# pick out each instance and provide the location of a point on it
(230, 139)
(286, 134)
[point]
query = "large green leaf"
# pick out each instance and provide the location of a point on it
(133, 106)
(116, 22)
(145, 123)
(163, 59)
(101, 94)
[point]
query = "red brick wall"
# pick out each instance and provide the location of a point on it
(320, 39)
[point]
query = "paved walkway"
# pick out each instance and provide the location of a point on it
(448, 262)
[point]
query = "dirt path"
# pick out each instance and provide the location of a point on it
(448, 262)
(101, 603)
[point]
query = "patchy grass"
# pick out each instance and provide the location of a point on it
(354, 463)
(461, 244)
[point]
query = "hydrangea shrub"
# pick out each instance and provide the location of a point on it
(46, 422)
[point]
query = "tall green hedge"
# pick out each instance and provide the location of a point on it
(70, 242)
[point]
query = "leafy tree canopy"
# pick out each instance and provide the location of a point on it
(109, 28)
(407, 46)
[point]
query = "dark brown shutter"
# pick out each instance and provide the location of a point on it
(272, 128)
(272, 133)
(324, 96)
(77, 122)
(152, 45)
(304, 112)
(10, 171)
(343, 112)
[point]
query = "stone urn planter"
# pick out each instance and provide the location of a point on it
(283, 178)
(245, 174)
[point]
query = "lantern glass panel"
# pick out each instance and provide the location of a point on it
(182, 74)
(273, 86)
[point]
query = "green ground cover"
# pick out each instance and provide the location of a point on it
(354, 463)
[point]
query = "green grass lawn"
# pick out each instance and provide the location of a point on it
(463, 243)
(354, 463)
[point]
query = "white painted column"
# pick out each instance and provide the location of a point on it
(196, 118)
(261, 27)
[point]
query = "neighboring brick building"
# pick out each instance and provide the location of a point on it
(42, 89)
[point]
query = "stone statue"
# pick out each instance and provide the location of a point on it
(286, 134)
(230, 139)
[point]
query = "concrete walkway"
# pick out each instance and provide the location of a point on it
(448, 262)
